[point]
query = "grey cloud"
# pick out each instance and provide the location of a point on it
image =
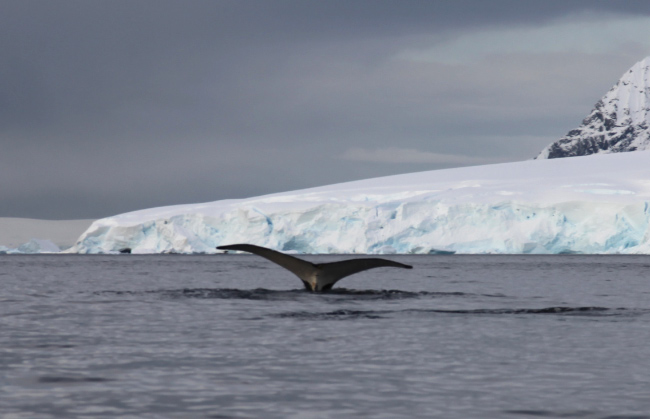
(409, 155)
(113, 106)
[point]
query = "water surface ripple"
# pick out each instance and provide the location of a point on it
(234, 336)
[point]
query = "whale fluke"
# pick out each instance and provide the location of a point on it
(316, 276)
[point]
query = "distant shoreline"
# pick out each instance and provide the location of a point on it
(64, 233)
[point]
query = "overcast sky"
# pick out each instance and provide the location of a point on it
(113, 106)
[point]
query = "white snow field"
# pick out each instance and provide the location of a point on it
(592, 204)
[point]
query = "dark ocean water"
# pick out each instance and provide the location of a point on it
(234, 336)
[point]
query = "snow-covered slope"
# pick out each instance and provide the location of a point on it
(619, 122)
(593, 204)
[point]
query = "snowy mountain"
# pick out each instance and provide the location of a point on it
(619, 122)
(592, 204)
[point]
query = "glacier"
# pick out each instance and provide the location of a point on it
(32, 246)
(592, 204)
(28, 235)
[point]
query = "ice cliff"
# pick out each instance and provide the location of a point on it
(592, 204)
(619, 122)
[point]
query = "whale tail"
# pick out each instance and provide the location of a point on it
(316, 277)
